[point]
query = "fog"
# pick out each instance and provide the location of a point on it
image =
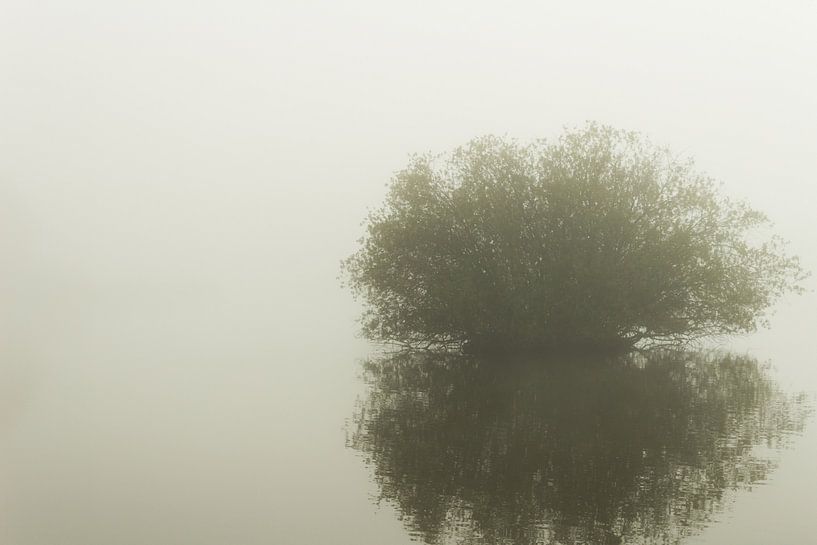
(179, 181)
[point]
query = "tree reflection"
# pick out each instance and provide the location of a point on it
(642, 451)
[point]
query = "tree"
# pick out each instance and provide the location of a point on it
(599, 239)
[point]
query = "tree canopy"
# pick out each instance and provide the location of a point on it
(598, 238)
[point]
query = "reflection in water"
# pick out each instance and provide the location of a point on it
(640, 451)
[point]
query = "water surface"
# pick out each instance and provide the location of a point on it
(646, 449)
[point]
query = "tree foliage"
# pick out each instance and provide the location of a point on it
(597, 239)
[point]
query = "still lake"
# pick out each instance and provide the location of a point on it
(140, 413)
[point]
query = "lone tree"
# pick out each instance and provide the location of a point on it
(599, 239)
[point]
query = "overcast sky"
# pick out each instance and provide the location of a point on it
(240, 143)
(128, 128)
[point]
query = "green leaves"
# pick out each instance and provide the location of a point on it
(591, 239)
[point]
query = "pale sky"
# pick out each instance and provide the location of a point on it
(197, 141)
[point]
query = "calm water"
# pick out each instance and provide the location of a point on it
(169, 417)
(647, 450)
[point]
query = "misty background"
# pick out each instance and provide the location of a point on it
(179, 181)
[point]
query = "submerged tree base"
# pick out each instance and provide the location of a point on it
(493, 347)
